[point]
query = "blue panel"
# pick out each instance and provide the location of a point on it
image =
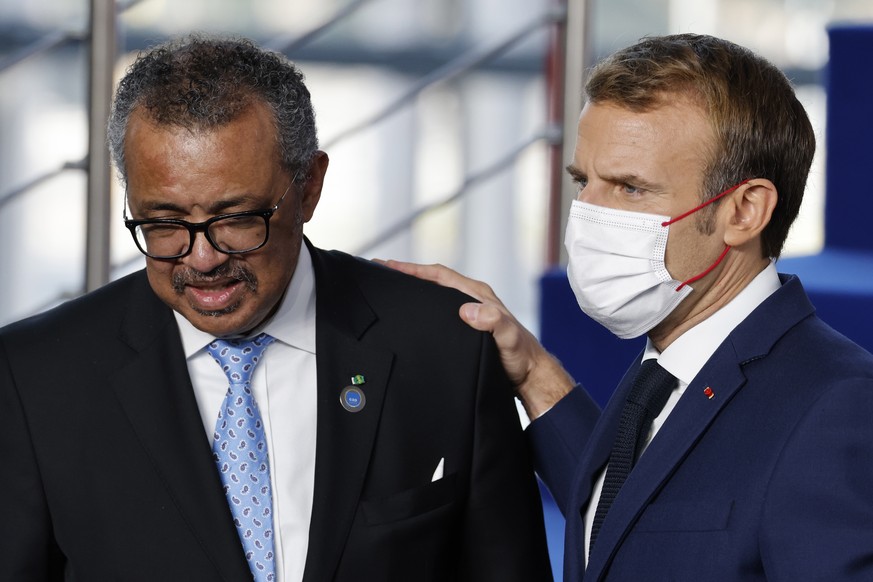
(849, 201)
(554, 532)
(840, 285)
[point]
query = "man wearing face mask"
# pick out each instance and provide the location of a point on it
(739, 445)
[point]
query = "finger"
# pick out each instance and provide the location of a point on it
(495, 319)
(470, 315)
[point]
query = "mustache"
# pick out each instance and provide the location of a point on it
(223, 272)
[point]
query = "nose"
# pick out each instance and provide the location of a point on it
(590, 193)
(203, 256)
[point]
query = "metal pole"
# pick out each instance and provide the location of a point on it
(555, 73)
(102, 63)
(573, 61)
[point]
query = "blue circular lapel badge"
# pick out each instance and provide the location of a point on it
(352, 399)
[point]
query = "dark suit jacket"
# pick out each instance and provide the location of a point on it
(770, 479)
(107, 473)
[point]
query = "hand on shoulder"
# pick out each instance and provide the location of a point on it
(539, 378)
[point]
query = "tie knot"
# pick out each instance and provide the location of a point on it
(652, 387)
(238, 358)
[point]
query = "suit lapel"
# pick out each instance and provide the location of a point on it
(695, 411)
(155, 392)
(344, 439)
(684, 427)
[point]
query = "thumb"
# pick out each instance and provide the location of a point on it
(469, 312)
(484, 317)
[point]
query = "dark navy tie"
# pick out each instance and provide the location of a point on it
(651, 388)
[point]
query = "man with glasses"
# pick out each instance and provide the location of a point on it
(250, 406)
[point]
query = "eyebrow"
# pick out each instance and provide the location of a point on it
(575, 172)
(634, 179)
(217, 207)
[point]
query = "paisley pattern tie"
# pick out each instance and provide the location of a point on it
(239, 448)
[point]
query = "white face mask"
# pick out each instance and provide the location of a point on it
(616, 266)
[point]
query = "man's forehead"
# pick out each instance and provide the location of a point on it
(673, 115)
(618, 142)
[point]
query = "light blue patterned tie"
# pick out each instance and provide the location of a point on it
(239, 448)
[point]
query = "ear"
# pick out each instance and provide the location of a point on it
(314, 182)
(749, 210)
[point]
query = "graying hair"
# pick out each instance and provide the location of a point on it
(203, 83)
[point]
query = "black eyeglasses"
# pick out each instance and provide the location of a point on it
(232, 234)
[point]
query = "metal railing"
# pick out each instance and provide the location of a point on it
(562, 21)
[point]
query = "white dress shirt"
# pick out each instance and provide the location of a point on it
(284, 386)
(687, 355)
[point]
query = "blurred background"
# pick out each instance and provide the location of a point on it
(418, 102)
(444, 121)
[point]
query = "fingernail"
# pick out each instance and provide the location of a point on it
(471, 311)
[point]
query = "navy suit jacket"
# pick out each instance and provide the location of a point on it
(106, 473)
(770, 479)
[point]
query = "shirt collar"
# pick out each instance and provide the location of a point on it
(687, 355)
(292, 324)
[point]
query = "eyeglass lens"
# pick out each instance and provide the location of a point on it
(234, 234)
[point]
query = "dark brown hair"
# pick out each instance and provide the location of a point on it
(761, 130)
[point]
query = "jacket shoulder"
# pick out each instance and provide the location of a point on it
(384, 287)
(97, 310)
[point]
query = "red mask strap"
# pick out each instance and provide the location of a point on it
(705, 204)
(707, 271)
